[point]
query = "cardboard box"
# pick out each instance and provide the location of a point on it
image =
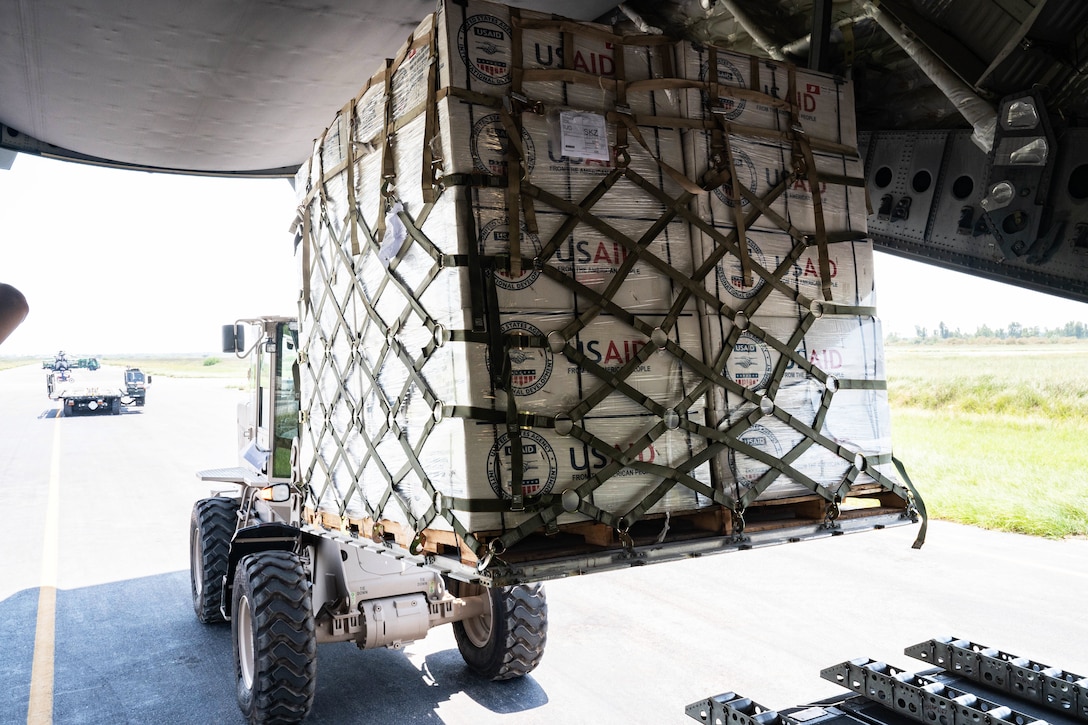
(846, 349)
(793, 285)
(761, 166)
(590, 258)
(824, 103)
(476, 53)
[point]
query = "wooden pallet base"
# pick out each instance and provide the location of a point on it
(582, 537)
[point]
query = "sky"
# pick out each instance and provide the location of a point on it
(125, 262)
(131, 262)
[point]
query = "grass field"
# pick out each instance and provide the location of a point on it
(994, 435)
(220, 366)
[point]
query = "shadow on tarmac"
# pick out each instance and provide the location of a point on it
(133, 652)
(55, 413)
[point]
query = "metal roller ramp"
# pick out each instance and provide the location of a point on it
(966, 684)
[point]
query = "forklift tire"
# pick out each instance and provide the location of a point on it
(275, 640)
(210, 530)
(508, 641)
(115, 407)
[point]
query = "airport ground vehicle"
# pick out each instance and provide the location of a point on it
(61, 362)
(79, 393)
(136, 383)
(78, 396)
(286, 585)
(57, 362)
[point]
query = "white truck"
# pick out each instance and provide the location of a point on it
(551, 322)
(86, 392)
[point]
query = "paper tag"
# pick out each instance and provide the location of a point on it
(395, 234)
(583, 135)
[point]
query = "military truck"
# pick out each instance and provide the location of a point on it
(136, 383)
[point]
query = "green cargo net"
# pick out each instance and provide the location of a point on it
(367, 334)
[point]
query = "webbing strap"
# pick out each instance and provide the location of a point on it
(620, 156)
(515, 168)
(738, 212)
(388, 173)
(916, 499)
(427, 174)
(307, 235)
(808, 171)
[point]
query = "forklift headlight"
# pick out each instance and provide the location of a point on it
(276, 493)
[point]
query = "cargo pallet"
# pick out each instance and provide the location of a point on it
(577, 548)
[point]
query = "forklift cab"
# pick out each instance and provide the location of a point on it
(268, 424)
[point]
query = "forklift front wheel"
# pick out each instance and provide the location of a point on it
(275, 642)
(508, 640)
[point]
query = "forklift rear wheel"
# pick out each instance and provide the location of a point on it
(210, 529)
(275, 641)
(508, 640)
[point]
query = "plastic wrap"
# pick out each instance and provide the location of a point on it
(786, 279)
(508, 298)
(823, 105)
(761, 166)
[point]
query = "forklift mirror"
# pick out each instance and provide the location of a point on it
(234, 338)
(277, 493)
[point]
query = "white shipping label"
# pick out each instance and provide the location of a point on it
(583, 135)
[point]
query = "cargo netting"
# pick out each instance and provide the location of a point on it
(555, 276)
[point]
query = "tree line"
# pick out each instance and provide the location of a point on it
(1012, 331)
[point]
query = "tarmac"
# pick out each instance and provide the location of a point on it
(97, 626)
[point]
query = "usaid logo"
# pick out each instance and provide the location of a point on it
(728, 75)
(749, 362)
(490, 143)
(483, 42)
(746, 172)
(807, 276)
(603, 252)
(731, 276)
(496, 235)
(538, 465)
(747, 469)
(530, 367)
(611, 354)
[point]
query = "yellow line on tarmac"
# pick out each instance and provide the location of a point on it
(40, 708)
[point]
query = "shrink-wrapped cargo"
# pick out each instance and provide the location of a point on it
(545, 287)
